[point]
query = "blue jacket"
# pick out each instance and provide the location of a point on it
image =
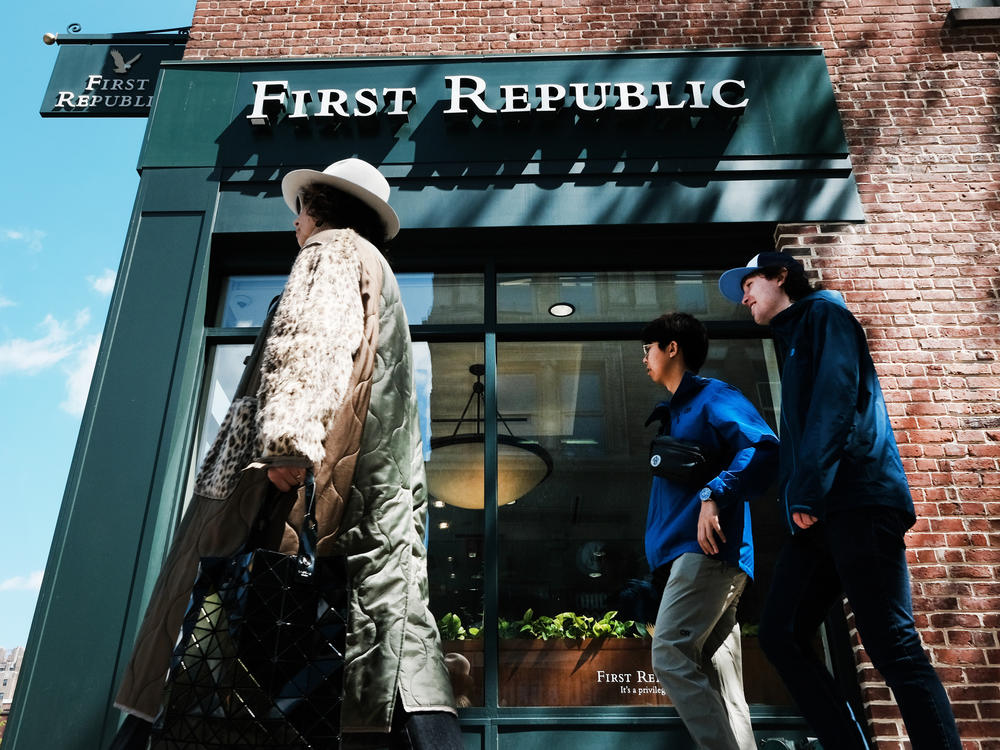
(837, 447)
(725, 423)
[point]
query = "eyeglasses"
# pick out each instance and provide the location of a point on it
(645, 350)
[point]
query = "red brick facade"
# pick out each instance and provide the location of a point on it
(920, 102)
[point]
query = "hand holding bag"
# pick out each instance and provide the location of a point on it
(259, 663)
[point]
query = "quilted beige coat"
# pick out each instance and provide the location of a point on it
(335, 391)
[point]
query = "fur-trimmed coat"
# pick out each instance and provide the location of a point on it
(334, 390)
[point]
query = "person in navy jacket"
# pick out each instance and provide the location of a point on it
(699, 541)
(848, 506)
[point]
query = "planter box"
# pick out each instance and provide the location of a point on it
(590, 672)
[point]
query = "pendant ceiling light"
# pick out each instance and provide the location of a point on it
(455, 468)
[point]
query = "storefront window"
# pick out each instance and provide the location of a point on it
(573, 484)
(613, 297)
(454, 462)
(246, 299)
(225, 367)
(571, 550)
(442, 299)
(432, 298)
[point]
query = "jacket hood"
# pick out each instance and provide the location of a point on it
(785, 321)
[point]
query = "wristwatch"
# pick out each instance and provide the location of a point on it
(705, 494)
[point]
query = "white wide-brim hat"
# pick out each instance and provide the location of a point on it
(355, 177)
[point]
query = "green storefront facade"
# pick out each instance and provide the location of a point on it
(620, 185)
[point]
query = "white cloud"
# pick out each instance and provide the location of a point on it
(78, 377)
(104, 283)
(4, 302)
(31, 582)
(33, 356)
(30, 237)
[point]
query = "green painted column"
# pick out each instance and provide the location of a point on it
(128, 472)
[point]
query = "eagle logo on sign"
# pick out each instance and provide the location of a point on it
(120, 65)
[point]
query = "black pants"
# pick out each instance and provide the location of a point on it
(860, 553)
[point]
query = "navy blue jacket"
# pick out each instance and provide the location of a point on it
(837, 447)
(726, 424)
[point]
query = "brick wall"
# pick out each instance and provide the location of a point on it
(920, 103)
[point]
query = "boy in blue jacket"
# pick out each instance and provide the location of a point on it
(848, 506)
(698, 538)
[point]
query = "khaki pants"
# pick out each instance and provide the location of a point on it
(697, 655)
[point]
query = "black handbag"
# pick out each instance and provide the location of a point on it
(259, 663)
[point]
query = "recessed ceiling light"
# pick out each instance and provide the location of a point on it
(561, 310)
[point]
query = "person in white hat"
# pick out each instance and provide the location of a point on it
(848, 506)
(336, 395)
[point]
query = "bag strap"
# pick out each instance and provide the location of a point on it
(662, 414)
(308, 532)
(250, 380)
(249, 383)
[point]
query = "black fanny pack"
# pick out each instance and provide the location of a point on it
(681, 461)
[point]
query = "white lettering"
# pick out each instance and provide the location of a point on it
(331, 102)
(515, 98)
(663, 96)
(547, 94)
(399, 99)
(65, 99)
(580, 96)
(299, 100)
(717, 94)
(645, 676)
(455, 85)
(631, 96)
(603, 676)
(263, 96)
(93, 81)
(467, 95)
(696, 88)
(367, 98)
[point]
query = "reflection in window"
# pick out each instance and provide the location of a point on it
(439, 298)
(611, 297)
(431, 298)
(454, 534)
(225, 368)
(246, 299)
(575, 543)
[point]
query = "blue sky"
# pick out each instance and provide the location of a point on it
(68, 193)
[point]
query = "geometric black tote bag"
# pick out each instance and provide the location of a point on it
(260, 659)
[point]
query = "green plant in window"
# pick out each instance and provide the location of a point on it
(567, 625)
(451, 628)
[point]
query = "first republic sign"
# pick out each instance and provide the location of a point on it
(106, 80)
